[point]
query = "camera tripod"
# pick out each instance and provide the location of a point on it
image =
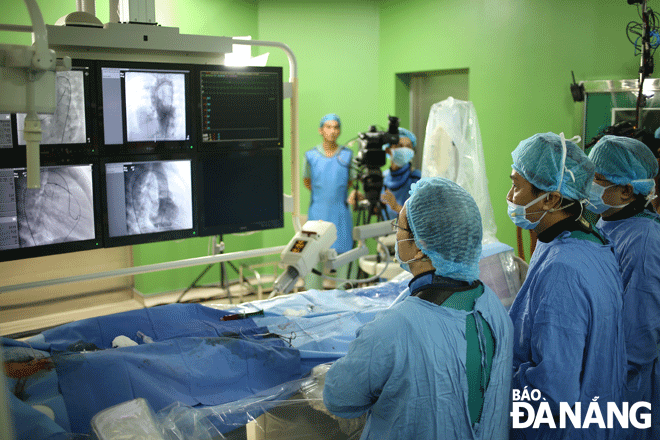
(217, 247)
(367, 210)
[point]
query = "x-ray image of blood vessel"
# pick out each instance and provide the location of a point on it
(67, 125)
(155, 106)
(62, 210)
(158, 197)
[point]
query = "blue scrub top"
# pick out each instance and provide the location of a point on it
(407, 370)
(568, 332)
(637, 243)
(399, 182)
(329, 178)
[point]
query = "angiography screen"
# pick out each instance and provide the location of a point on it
(145, 197)
(164, 115)
(144, 105)
(60, 211)
(68, 124)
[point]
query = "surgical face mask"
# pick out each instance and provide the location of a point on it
(518, 213)
(597, 205)
(404, 264)
(401, 156)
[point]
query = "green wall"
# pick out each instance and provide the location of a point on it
(519, 55)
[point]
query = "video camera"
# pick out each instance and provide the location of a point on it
(371, 158)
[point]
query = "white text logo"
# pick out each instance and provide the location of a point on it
(525, 414)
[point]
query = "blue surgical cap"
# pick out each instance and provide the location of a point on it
(542, 161)
(407, 133)
(446, 223)
(623, 161)
(330, 117)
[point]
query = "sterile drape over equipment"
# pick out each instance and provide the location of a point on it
(453, 149)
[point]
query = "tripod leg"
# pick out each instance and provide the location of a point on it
(223, 281)
(194, 283)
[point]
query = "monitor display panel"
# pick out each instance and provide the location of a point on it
(60, 216)
(240, 191)
(146, 108)
(6, 132)
(69, 129)
(240, 107)
(148, 199)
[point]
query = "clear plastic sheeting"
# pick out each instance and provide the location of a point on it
(133, 420)
(504, 273)
(292, 411)
(453, 149)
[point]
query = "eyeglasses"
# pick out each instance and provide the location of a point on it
(395, 226)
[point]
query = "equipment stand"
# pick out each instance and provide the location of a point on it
(365, 214)
(216, 248)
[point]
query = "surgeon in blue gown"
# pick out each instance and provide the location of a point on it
(437, 363)
(568, 328)
(328, 176)
(621, 192)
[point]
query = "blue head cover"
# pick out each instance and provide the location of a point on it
(657, 133)
(446, 223)
(544, 162)
(407, 133)
(623, 161)
(330, 117)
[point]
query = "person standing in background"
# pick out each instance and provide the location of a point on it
(328, 176)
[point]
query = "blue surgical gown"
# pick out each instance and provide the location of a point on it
(399, 182)
(330, 177)
(637, 243)
(407, 368)
(568, 332)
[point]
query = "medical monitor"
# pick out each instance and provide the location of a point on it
(70, 129)
(240, 191)
(6, 132)
(60, 216)
(241, 107)
(145, 108)
(148, 199)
